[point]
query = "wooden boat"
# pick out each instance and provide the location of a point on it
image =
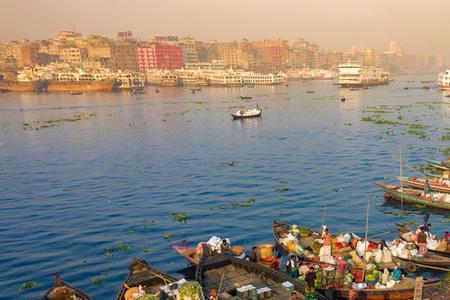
(412, 196)
(438, 165)
(401, 230)
(245, 114)
(310, 92)
(141, 275)
(420, 183)
(403, 290)
(187, 252)
(62, 290)
(75, 93)
(245, 97)
(228, 274)
(197, 89)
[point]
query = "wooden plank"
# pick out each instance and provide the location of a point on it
(418, 288)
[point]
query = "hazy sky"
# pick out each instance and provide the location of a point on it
(419, 26)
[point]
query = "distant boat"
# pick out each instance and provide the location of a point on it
(406, 88)
(138, 91)
(75, 93)
(426, 87)
(156, 90)
(310, 92)
(353, 89)
(62, 289)
(245, 97)
(343, 99)
(247, 113)
(196, 89)
(250, 85)
(427, 81)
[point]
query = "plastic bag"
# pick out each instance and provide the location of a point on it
(378, 256)
(385, 276)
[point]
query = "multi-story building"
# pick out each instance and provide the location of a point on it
(72, 55)
(123, 56)
(159, 56)
(271, 55)
(189, 50)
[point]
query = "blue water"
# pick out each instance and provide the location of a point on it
(71, 191)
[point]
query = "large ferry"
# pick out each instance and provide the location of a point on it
(161, 77)
(78, 82)
(444, 80)
(224, 78)
(309, 74)
(354, 75)
(191, 78)
(261, 79)
(129, 81)
(22, 82)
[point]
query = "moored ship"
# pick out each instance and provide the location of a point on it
(261, 79)
(224, 78)
(161, 77)
(22, 83)
(78, 82)
(356, 75)
(444, 80)
(129, 81)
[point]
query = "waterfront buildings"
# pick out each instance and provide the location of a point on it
(123, 55)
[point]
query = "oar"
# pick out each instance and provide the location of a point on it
(220, 286)
(378, 235)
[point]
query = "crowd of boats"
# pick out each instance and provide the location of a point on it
(301, 264)
(431, 188)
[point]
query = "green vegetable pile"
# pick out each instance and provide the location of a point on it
(304, 231)
(147, 297)
(191, 290)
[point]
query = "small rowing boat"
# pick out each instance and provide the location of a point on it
(442, 186)
(414, 196)
(245, 97)
(141, 275)
(187, 252)
(62, 290)
(247, 113)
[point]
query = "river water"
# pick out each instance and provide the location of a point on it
(90, 181)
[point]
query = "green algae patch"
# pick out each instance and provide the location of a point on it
(28, 285)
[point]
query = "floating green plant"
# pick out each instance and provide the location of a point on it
(167, 236)
(28, 285)
(180, 217)
(96, 281)
(146, 250)
(281, 189)
(109, 254)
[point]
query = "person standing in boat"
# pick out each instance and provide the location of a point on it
(426, 188)
(422, 241)
(310, 279)
(225, 247)
(326, 247)
(292, 266)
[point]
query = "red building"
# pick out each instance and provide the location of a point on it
(157, 56)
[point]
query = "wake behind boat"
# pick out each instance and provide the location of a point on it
(247, 113)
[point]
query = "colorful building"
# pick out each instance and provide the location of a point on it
(159, 56)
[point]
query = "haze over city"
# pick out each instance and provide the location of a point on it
(417, 25)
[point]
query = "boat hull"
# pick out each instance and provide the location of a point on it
(21, 86)
(438, 165)
(237, 117)
(392, 192)
(80, 86)
(420, 184)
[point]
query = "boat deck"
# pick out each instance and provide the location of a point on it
(235, 277)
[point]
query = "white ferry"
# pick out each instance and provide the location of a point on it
(130, 81)
(223, 78)
(261, 79)
(354, 75)
(191, 78)
(161, 77)
(444, 80)
(309, 74)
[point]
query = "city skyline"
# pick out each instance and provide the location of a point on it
(334, 25)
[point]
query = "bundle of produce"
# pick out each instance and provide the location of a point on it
(138, 293)
(191, 290)
(402, 249)
(304, 231)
